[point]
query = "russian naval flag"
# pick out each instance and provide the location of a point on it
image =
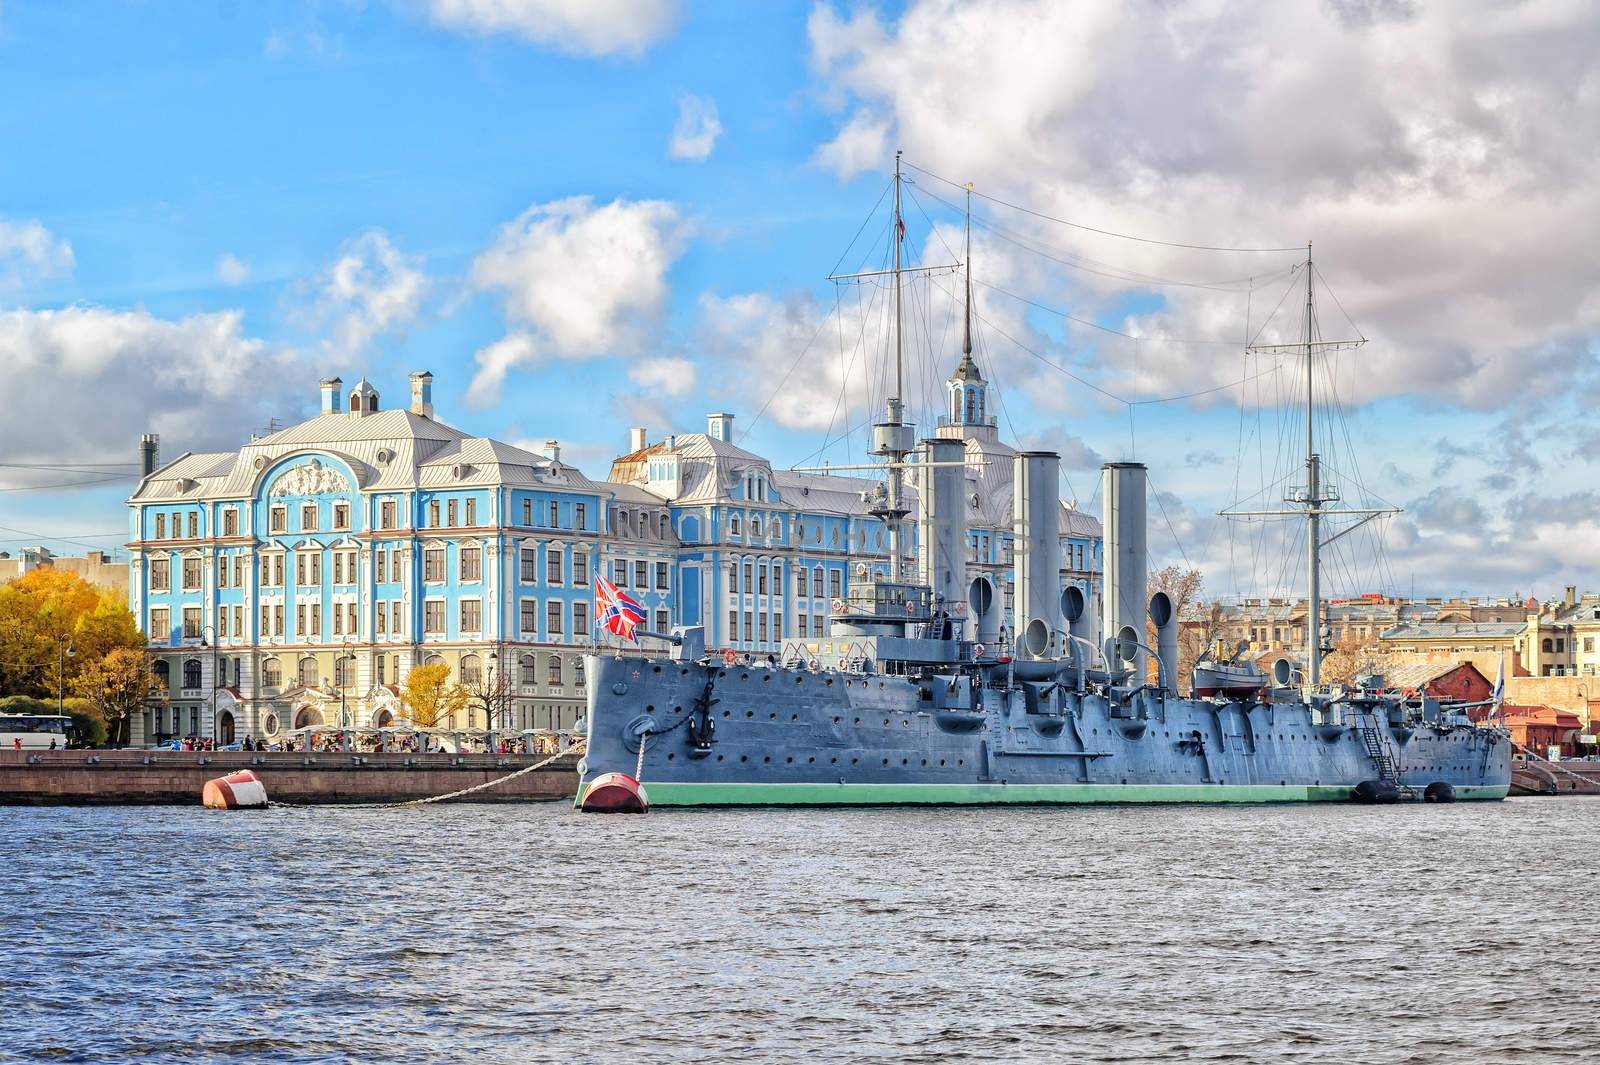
(618, 612)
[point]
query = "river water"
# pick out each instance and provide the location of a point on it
(1421, 934)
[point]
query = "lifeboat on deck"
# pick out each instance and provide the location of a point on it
(615, 793)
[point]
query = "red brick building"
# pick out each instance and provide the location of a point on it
(1448, 682)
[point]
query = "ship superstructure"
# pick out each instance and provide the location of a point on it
(917, 694)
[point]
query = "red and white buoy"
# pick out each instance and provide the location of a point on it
(236, 791)
(615, 793)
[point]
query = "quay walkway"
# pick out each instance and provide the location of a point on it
(135, 777)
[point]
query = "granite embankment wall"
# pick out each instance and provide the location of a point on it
(170, 777)
(1535, 776)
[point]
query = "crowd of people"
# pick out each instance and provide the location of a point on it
(366, 742)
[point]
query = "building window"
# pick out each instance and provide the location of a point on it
(452, 508)
(471, 563)
(271, 674)
(471, 670)
(661, 576)
(755, 525)
(344, 671)
(160, 575)
(761, 579)
(552, 618)
(380, 562)
(433, 513)
(341, 515)
(749, 627)
(580, 568)
(191, 673)
(554, 675)
(733, 626)
(555, 515)
(619, 573)
(161, 526)
(1548, 646)
(308, 517)
(835, 583)
(577, 672)
(194, 525)
(386, 514)
(160, 623)
(527, 513)
(530, 670)
(472, 512)
(579, 516)
(529, 620)
(749, 577)
(433, 616)
(641, 574)
(380, 625)
(191, 573)
(433, 565)
(529, 565)
(191, 623)
(762, 633)
(394, 625)
(1561, 646)
(277, 519)
(733, 525)
(661, 621)
(471, 615)
(816, 582)
(230, 522)
(377, 664)
(580, 619)
(552, 565)
(306, 672)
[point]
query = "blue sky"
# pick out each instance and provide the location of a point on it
(204, 207)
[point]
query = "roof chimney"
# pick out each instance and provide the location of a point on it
(149, 453)
(422, 393)
(637, 438)
(719, 426)
(331, 387)
(552, 450)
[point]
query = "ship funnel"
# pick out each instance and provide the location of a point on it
(942, 528)
(1126, 563)
(1036, 516)
(1165, 619)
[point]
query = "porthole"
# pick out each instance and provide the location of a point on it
(941, 763)
(744, 758)
(855, 761)
(836, 719)
(767, 679)
(833, 761)
(749, 713)
(658, 669)
(726, 713)
(670, 756)
(885, 722)
(650, 708)
(886, 761)
(961, 761)
(719, 757)
(768, 758)
(772, 716)
(812, 759)
(744, 676)
(794, 717)
(789, 760)
(858, 721)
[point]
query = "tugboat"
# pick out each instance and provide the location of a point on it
(908, 700)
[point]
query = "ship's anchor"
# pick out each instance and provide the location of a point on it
(702, 726)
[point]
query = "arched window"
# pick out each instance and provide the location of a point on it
(530, 670)
(577, 671)
(355, 403)
(271, 674)
(163, 674)
(1548, 646)
(554, 676)
(307, 672)
(433, 660)
(191, 673)
(372, 403)
(471, 669)
(344, 671)
(755, 525)
(664, 532)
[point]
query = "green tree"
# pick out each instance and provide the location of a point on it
(116, 685)
(431, 697)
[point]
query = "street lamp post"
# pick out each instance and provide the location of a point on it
(64, 650)
(341, 674)
(211, 642)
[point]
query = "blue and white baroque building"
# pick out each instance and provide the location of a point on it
(297, 580)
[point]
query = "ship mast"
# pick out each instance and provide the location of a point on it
(1312, 499)
(1313, 503)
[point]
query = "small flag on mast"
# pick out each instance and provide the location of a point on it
(618, 612)
(1500, 683)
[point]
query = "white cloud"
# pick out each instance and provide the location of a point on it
(232, 270)
(28, 250)
(98, 378)
(697, 129)
(576, 281)
(1437, 154)
(371, 289)
(578, 27)
(669, 374)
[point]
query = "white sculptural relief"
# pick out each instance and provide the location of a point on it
(309, 480)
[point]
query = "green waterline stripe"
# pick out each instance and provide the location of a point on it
(783, 794)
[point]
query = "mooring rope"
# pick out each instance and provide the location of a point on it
(1548, 764)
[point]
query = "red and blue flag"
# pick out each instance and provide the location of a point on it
(617, 611)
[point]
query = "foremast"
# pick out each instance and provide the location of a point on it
(893, 438)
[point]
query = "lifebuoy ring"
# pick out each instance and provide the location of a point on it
(979, 650)
(729, 657)
(841, 664)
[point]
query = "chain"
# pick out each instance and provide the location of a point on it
(638, 769)
(576, 748)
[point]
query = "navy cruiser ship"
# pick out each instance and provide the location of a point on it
(916, 696)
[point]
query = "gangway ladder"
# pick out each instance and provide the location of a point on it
(1378, 750)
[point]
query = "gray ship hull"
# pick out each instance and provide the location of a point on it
(796, 737)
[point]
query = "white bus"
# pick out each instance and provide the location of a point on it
(34, 731)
